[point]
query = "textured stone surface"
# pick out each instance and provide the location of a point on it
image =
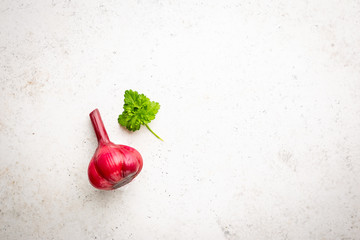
(260, 112)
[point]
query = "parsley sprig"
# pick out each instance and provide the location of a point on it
(138, 110)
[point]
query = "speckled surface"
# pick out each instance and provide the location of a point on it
(260, 112)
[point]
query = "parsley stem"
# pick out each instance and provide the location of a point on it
(153, 132)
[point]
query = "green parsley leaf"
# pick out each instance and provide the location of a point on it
(138, 110)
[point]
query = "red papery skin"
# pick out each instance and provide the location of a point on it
(112, 165)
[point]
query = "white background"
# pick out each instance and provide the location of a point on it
(260, 113)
